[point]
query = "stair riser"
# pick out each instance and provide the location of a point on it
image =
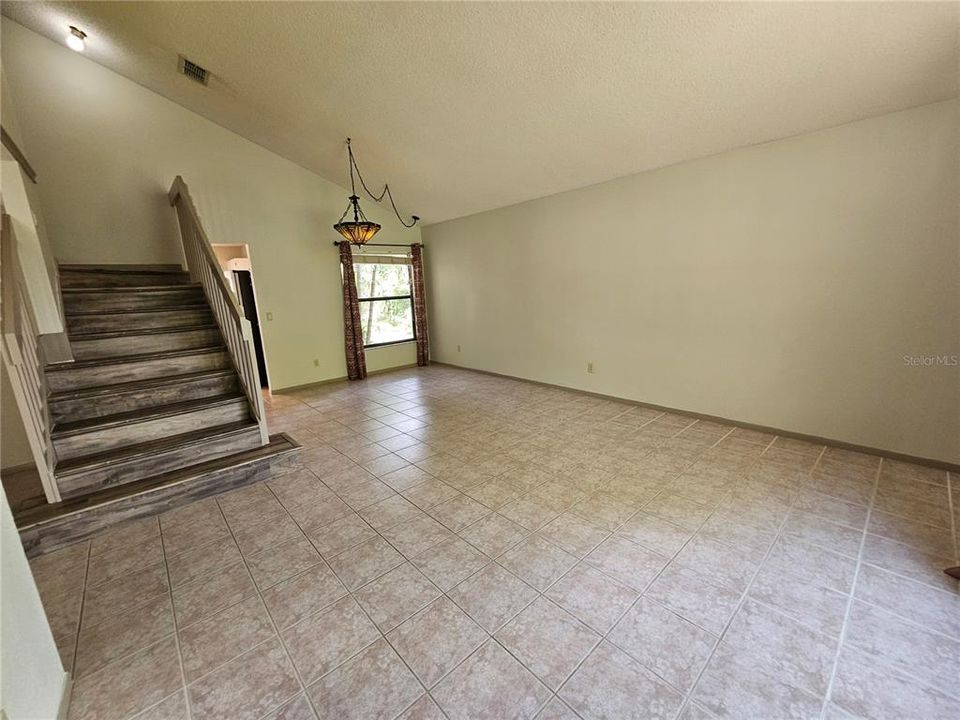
(138, 321)
(78, 378)
(85, 279)
(142, 344)
(88, 302)
(97, 441)
(96, 479)
(71, 410)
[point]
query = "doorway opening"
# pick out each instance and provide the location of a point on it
(238, 271)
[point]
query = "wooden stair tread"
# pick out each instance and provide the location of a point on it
(62, 430)
(121, 268)
(117, 289)
(121, 359)
(80, 337)
(102, 390)
(279, 444)
(146, 449)
(192, 307)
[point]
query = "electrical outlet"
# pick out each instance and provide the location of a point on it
(316, 362)
(269, 317)
(590, 367)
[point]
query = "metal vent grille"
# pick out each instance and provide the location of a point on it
(194, 71)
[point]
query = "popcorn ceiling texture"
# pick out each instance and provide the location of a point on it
(468, 107)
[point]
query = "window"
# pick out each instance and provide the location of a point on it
(386, 303)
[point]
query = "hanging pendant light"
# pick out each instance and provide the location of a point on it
(359, 231)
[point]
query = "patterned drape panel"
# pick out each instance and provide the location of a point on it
(352, 332)
(420, 306)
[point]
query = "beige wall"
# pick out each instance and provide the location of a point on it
(106, 151)
(781, 285)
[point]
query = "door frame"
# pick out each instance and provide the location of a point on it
(242, 261)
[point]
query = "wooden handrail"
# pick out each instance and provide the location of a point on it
(23, 358)
(204, 268)
(180, 191)
(18, 155)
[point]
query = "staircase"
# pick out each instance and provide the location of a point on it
(151, 396)
(152, 389)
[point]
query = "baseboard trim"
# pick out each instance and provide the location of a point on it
(342, 378)
(65, 696)
(928, 462)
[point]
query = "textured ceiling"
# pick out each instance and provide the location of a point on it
(465, 107)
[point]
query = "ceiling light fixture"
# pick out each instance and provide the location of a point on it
(76, 39)
(359, 231)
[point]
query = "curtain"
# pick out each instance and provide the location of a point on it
(420, 306)
(352, 332)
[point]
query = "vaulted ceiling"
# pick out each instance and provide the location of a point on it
(465, 107)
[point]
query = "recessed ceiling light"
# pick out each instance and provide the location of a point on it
(76, 39)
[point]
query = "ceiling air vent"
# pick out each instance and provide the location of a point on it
(194, 71)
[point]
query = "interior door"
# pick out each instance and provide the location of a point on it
(244, 285)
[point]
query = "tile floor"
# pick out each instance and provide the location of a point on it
(450, 544)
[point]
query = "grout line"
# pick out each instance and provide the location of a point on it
(176, 625)
(273, 624)
(743, 598)
(351, 594)
(853, 592)
(76, 645)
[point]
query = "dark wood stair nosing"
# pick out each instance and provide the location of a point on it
(128, 453)
(97, 424)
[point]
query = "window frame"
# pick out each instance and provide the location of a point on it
(413, 315)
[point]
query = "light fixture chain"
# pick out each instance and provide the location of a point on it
(386, 189)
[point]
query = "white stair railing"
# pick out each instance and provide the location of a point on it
(205, 269)
(23, 359)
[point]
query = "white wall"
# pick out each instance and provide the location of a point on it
(31, 675)
(780, 285)
(106, 151)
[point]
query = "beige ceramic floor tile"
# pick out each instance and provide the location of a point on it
(436, 639)
(392, 598)
(490, 684)
(365, 562)
(210, 643)
(249, 686)
(302, 595)
(726, 531)
(594, 598)
(375, 685)
(548, 640)
(610, 684)
(537, 562)
(322, 641)
(492, 597)
(450, 563)
(129, 685)
(673, 648)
